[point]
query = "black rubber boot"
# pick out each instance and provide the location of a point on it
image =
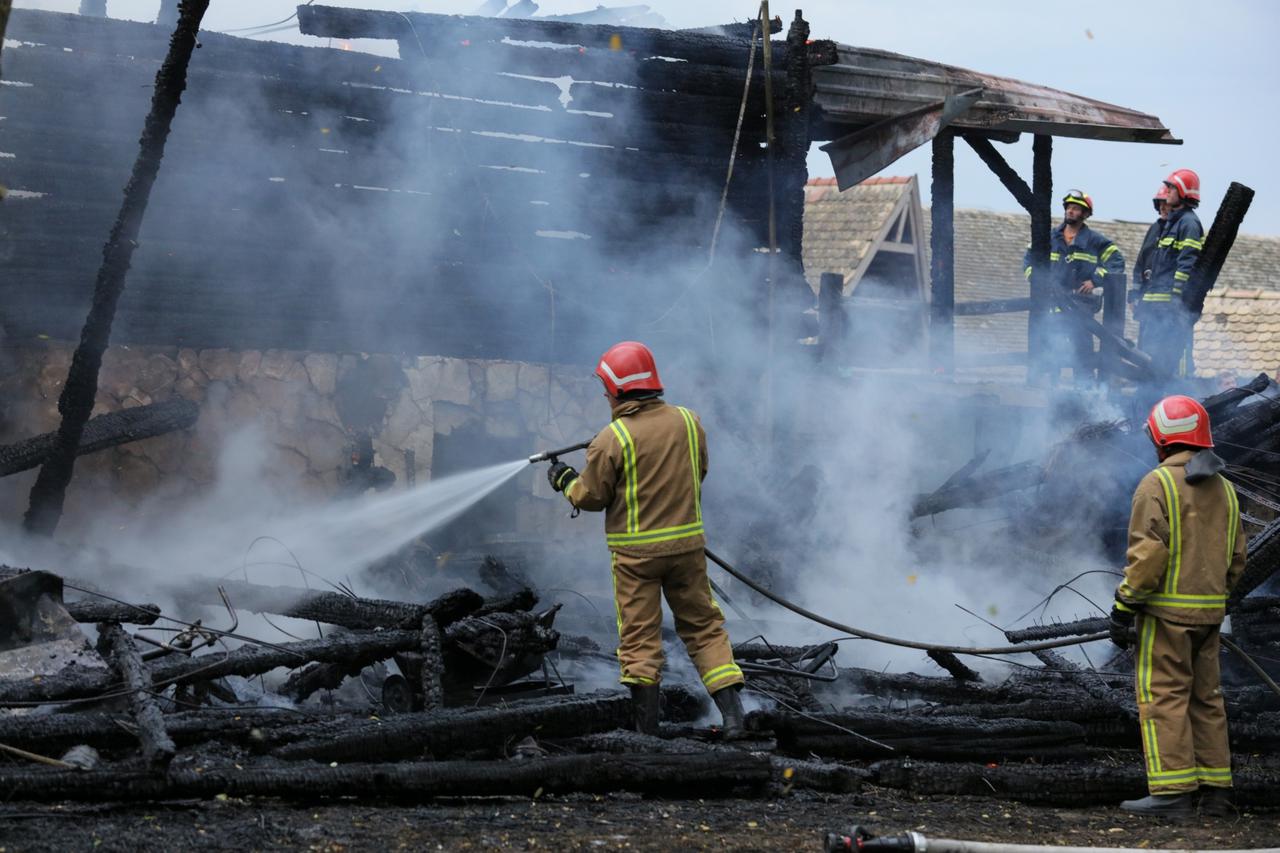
(1216, 802)
(1164, 805)
(730, 705)
(644, 705)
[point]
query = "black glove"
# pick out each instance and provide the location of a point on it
(1122, 627)
(560, 475)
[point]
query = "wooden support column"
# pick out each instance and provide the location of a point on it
(831, 325)
(942, 262)
(1041, 222)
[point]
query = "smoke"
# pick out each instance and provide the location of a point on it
(546, 221)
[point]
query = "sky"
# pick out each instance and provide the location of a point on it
(1209, 72)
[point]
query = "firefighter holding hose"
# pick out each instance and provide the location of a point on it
(1186, 553)
(645, 471)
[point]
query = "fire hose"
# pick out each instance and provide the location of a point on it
(859, 838)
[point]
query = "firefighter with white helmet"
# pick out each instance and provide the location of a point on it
(1186, 554)
(645, 470)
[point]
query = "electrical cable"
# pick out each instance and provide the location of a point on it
(897, 641)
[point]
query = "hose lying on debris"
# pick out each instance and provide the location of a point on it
(896, 641)
(959, 650)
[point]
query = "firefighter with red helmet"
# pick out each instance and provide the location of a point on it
(1186, 553)
(645, 470)
(1081, 263)
(1168, 321)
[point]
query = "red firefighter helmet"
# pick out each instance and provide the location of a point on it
(1161, 195)
(1079, 197)
(1186, 182)
(1179, 420)
(628, 366)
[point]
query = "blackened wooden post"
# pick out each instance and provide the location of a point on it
(1041, 222)
(81, 387)
(942, 261)
(830, 315)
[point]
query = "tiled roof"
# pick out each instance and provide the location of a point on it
(839, 227)
(1239, 332)
(989, 248)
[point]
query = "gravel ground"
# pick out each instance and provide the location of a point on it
(580, 822)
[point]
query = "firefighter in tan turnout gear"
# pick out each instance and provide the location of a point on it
(1186, 553)
(645, 470)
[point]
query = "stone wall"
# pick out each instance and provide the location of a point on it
(307, 407)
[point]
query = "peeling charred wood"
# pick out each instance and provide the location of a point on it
(668, 775)
(78, 393)
(54, 733)
(444, 733)
(348, 611)
(908, 685)
(497, 648)
(103, 431)
(1056, 630)
(952, 664)
(1217, 245)
(95, 610)
(432, 666)
(157, 747)
(319, 676)
(1102, 722)
(522, 600)
(788, 773)
(1062, 785)
(929, 737)
(1089, 681)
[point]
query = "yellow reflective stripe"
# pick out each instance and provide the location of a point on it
(1174, 567)
(1151, 747)
(1109, 251)
(1157, 297)
(1188, 600)
(1181, 276)
(1082, 256)
(1124, 608)
(1146, 639)
(1165, 242)
(648, 537)
(691, 428)
(617, 610)
(629, 466)
(1027, 272)
(1177, 291)
(721, 673)
(1169, 777)
(1100, 272)
(1214, 774)
(1233, 519)
(1188, 243)
(637, 679)
(1053, 256)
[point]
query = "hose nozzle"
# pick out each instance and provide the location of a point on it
(551, 455)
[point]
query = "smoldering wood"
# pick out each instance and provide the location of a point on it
(954, 738)
(1089, 681)
(431, 665)
(95, 610)
(1055, 630)
(445, 733)
(103, 431)
(952, 664)
(336, 608)
(157, 747)
(54, 733)
(1057, 784)
(496, 648)
(909, 685)
(975, 489)
(80, 389)
(1260, 565)
(668, 775)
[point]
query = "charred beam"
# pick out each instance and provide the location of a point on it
(1089, 681)
(347, 611)
(157, 747)
(81, 388)
(1000, 167)
(432, 666)
(1041, 222)
(977, 488)
(1261, 563)
(952, 664)
(666, 775)
(942, 258)
(1056, 630)
(1217, 245)
(443, 733)
(103, 431)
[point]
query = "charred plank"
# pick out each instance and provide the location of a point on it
(157, 747)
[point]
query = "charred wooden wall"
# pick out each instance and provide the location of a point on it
(478, 198)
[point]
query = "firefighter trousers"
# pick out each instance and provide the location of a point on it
(1180, 710)
(639, 584)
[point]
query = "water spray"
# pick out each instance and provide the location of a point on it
(551, 455)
